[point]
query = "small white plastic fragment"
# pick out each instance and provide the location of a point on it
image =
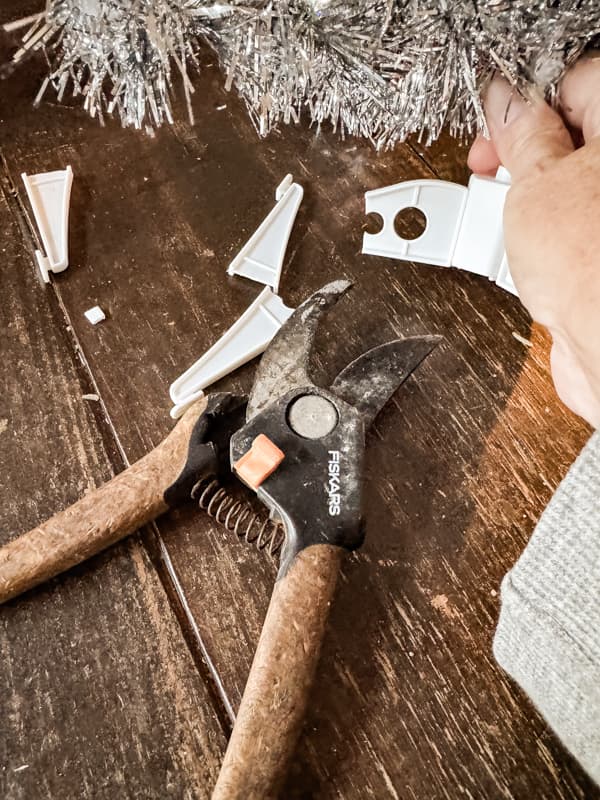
(95, 315)
(49, 194)
(247, 338)
(261, 258)
(463, 225)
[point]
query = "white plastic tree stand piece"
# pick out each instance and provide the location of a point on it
(504, 278)
(463, 225)
(441, 202)
(49, 194)
(94, 315)
(261, 258)
(248, 337)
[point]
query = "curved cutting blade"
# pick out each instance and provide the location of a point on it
(284, 366)
(370, 380)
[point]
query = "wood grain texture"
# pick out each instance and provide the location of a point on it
(99, 696)
(100, 518)
(271, 714)
(408, 702)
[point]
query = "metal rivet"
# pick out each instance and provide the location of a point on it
(312, 416)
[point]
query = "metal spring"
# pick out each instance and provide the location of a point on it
(239, 517)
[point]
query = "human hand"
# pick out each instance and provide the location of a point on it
(552, 219)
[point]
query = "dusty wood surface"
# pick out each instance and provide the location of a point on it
(408, 702)
(99, 694)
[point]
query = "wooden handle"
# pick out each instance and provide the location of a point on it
(100, 518)
(274, 703)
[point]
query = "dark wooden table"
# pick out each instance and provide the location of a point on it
(120, 679)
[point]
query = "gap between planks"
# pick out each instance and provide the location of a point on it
(151, 538)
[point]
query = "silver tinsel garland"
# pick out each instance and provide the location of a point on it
(382, 69)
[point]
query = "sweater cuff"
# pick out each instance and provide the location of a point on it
(548, 635)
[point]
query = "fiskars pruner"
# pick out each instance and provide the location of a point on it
(300, 447)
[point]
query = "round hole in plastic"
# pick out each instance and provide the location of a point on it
(374, 223)
(410, 223)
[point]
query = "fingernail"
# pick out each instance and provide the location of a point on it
(580, 98)
(503, 105)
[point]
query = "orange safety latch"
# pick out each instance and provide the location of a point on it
(259, 462)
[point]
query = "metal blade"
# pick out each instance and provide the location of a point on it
(370, 380)
(284, 366)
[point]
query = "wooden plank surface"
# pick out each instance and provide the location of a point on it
(408, 701)
(100, 696)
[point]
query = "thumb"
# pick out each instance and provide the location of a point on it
(528, 135)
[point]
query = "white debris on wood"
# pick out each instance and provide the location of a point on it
(95, 315)
(522, 339)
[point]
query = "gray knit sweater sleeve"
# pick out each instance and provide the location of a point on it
(548, 635)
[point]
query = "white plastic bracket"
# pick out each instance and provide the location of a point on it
(463, 225)
(49, 194)
(261, 258)
(247, 338)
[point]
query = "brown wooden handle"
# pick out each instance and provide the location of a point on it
(100, 518)
(274, 703)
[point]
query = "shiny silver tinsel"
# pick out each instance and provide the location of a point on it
(382, 69)
(117, 54)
